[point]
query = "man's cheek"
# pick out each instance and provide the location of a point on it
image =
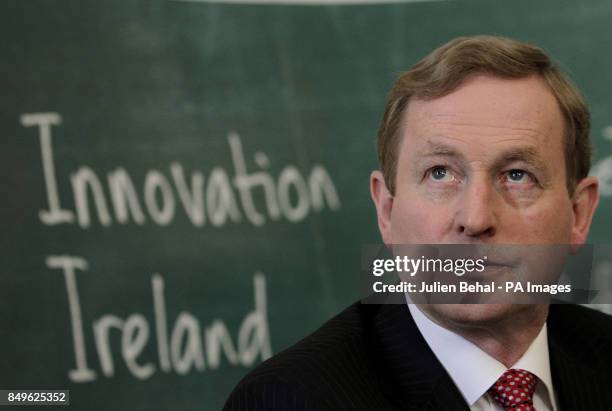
(546, 227)
(414, 224)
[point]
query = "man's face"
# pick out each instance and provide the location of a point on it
(484, 164)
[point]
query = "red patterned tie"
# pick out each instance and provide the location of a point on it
(514, 390)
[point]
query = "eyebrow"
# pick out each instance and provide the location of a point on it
(436, 149)
(527, 154)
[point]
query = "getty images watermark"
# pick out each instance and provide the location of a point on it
(486, 274)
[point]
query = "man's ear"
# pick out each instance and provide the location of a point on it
(383, 200)
(584, 202)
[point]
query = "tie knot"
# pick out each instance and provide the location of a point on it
(514, 390)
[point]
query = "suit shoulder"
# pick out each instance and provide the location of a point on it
(585, 333)
(316, 370)
(578, 317)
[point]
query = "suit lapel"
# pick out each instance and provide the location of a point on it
(572, 381)
(413, 378)
(578, 385)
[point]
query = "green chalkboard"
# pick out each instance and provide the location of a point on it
(184, 184)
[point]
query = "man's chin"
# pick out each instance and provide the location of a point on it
(469, 315)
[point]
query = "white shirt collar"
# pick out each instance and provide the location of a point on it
(474, 371)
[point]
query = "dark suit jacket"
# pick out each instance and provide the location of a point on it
(372, 357)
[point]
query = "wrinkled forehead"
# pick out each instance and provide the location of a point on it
(487, 110)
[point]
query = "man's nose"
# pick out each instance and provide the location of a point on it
(477, 216)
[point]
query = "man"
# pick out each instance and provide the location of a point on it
(483, 141)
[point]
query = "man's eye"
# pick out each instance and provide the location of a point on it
(518, 176)
(440, 174)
